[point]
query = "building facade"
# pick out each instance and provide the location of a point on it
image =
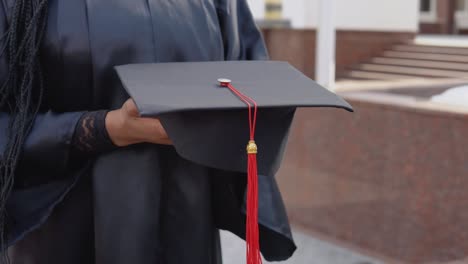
(364, 29)
(443, 16)
(421, 16)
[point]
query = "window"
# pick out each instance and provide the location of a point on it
(425, 5)
(428, 11)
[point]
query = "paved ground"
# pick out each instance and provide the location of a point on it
(310, 251)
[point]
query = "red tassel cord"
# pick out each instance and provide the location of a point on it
(252, 235)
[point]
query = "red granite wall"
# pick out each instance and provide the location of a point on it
(298, 46)
(430, 28)
(390, 180)
(295, 46)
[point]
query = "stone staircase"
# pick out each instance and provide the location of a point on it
(412, 61)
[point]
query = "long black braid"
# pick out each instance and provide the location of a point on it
(22, 90)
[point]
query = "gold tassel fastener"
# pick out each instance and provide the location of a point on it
(251, 147)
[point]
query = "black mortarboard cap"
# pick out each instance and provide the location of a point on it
(203, 107)
(207, 123)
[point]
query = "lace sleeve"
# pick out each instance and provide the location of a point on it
(91, 137)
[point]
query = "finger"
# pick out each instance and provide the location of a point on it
(161, 131)
(166, 142)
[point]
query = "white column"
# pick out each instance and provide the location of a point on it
(326, 44)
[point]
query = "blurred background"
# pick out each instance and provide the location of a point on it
(388, 183)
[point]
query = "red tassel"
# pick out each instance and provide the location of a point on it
(251, 228)
(252, 238)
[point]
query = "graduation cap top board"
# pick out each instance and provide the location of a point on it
(227, 114)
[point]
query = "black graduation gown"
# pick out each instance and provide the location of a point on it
(143, 203)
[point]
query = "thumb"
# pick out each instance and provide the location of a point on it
(130, 108)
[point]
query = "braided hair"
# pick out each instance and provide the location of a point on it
(21, 92)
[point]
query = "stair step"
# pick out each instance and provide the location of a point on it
(431, 73)
(366, 75)
(441, 41)
(426, 56)
(431, 49)
(422, 63)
